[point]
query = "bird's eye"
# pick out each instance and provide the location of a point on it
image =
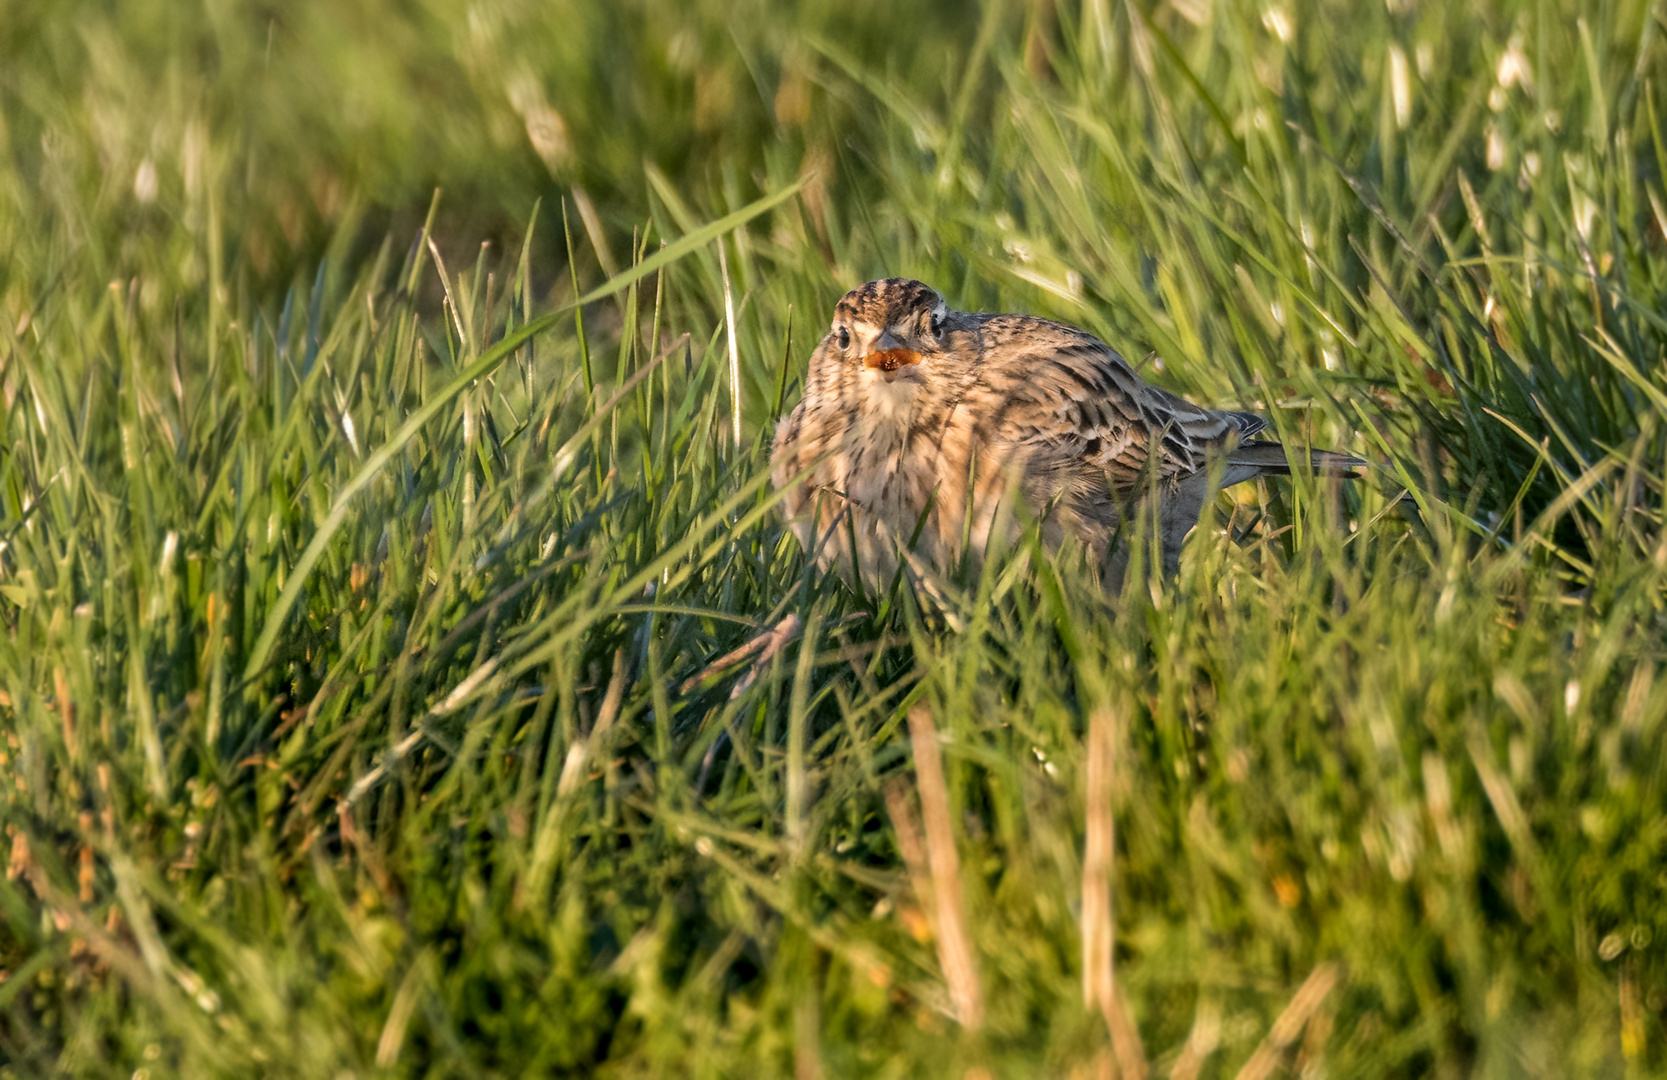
(937, 323)
(843, 336)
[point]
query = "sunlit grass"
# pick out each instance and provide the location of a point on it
(362, 583)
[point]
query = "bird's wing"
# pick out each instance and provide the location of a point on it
(1068, 395)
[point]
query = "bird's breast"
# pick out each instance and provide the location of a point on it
(891, 396)
(884, 466)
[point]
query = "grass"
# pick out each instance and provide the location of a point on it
(361, 581)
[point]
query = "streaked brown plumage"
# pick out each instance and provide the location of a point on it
(919, 417)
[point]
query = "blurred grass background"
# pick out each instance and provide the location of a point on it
(361, 590)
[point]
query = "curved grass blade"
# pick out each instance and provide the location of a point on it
(488, 361)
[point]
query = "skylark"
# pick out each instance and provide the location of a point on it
(921, 427)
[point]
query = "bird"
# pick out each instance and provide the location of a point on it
(926, 434)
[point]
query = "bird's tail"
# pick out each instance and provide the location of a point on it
(1273, 459)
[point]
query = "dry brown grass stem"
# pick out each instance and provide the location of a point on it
(955, 952)
(1099, 975)
(1289, 1024)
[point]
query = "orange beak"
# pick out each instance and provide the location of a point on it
(889, 360)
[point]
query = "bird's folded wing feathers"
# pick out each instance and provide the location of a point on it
(1275, 459)
(1081, 392)
(1081, 397)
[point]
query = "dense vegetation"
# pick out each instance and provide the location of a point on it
(386, 395)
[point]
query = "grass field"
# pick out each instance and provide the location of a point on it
(387, 390)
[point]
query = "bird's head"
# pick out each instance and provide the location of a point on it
(889, 333)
